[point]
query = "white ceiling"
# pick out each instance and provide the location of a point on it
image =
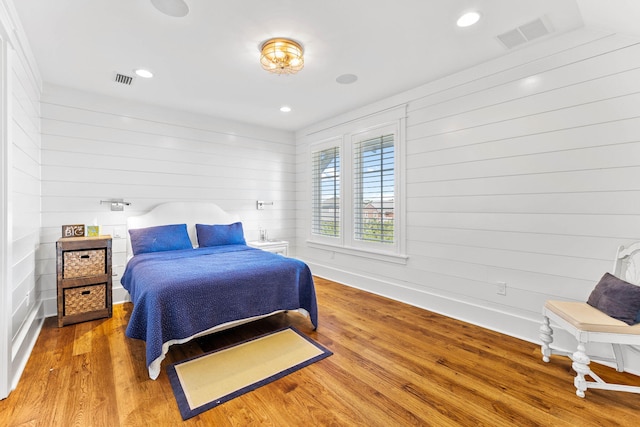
(207, 62)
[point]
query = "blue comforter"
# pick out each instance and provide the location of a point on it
(178, 294)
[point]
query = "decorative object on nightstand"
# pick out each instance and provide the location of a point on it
(276, 246)
(73, 230)
(83, 279)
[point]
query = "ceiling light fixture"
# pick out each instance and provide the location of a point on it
(144, 73)
(468, 19)
(281, 56)
(285, 109)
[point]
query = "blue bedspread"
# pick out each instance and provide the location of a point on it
(177, 294)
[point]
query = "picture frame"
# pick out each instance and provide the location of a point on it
(93, 230)
(73, 230)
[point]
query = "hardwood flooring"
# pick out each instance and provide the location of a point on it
(393, 365)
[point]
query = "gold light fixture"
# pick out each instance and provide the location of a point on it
(282, 56)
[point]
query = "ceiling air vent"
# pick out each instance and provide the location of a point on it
(125, 80)
(524, 33)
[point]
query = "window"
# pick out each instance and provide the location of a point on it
(374, 189)
(357, 182)
(326, 192)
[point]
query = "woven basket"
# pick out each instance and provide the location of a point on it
(84, 263)
(84, 299)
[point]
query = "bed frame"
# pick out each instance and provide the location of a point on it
(191, 213)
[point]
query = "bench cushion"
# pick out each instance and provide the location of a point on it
(586, 318)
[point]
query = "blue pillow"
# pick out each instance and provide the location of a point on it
(161, 238)
(217, 235)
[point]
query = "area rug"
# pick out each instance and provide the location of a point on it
(208, 380)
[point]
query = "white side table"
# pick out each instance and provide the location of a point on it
(276, 246)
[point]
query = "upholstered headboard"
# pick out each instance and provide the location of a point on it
(190, 213)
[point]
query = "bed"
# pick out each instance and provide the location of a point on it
(189, 273)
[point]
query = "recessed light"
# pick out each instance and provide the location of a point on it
(285, 109)
(468, 19)
(347, 79)
(144, 73)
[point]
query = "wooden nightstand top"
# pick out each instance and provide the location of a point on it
(83, 238)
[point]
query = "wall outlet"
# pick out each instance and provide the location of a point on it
(119, 232)
(501, 288)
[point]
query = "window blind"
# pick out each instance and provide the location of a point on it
(326, 192)
(374, 189)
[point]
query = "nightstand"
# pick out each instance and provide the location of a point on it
(276, 246)
(83, 278)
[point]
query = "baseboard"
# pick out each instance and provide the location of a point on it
(521, 327)
(120, 295)
(26, 341)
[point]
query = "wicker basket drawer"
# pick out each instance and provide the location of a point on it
(83, 263)
(85, 299)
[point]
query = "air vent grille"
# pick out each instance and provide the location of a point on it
(512, 38)
(125, 80)
(534, 29)
(524, 33)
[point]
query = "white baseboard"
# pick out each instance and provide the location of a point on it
(120, 295)
(26, 341)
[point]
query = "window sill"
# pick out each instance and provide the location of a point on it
(363, 253)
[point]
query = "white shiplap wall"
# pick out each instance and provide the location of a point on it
(524, 170)
(25, 196)
(21, 164)
(98, 148)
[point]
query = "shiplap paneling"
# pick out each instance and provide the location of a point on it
(524, 170)
(98, 148)
(23, 219)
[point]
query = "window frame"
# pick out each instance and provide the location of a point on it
(335, 142)
(358, 138)
(347, 135)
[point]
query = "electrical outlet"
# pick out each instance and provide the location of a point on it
(119, 232)
(501, 288)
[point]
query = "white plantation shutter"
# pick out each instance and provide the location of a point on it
(374, 190)
(326, 192)
(358, 179)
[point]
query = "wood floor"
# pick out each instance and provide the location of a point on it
(393, 365)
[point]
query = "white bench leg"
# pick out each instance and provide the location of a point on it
(617, 352)
(581, 366)
(546, 336)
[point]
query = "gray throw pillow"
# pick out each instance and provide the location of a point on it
(617, 298)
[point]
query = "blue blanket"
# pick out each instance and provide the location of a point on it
(178, 294)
